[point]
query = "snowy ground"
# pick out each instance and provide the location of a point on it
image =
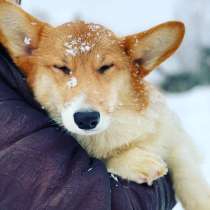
(194, 110)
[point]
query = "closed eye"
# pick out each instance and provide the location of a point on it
(105, 68)
(64, 69)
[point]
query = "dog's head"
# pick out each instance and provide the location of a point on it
(83, 73)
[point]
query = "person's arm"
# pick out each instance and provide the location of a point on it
(42, 167)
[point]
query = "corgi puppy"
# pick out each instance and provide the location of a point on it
(91, 82)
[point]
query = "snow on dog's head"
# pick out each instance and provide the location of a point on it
(82, 73)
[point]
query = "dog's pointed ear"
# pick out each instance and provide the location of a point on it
(19, 32)
(150, 48)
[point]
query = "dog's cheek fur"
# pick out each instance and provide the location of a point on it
(47, 92)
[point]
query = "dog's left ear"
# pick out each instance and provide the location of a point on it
(150, 48)
(19, 31)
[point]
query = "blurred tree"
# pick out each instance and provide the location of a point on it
(186, 80)
(204, 76)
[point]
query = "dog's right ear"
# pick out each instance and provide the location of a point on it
(19, 32)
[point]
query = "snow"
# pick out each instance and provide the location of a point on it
(76, 47)
(193, 108)
(72, 82)
(85, 48)
(72, 52)
(27, 40)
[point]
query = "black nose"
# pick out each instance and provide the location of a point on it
(87, 120)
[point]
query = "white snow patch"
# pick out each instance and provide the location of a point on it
(72, 52)
(84, 48)
(72, 82)
(27, 40)
(75, 46)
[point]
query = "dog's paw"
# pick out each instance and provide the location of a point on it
(139, 166)
(150, 169)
